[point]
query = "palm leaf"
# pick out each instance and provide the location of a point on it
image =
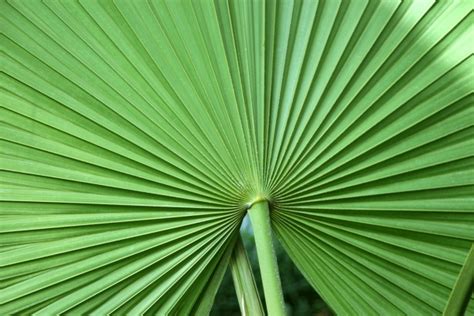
(135, 134)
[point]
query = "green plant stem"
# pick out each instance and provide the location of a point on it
(462, 290)
(260, 218)
(244, 282)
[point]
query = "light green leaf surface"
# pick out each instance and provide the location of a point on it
(134, 133)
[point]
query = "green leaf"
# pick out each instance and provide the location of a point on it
(135, 134)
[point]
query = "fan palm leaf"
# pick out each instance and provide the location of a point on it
(135, 135)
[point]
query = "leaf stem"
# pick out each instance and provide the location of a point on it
(244, 282)
(260, 218)
(461, 293)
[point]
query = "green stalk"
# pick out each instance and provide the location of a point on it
(260, 219)
(462, 290)
(244, 282)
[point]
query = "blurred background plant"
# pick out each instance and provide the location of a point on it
(300, 297)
